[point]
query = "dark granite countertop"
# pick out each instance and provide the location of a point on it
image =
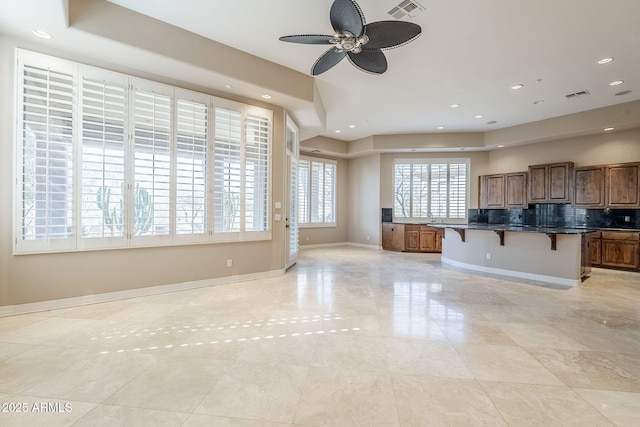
(527, 228)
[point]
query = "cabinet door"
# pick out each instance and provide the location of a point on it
(427, 240)
(516, 190)
(393, 237)
(412, 240)
(622, 186)
(492, 191)
(559, 176)
(538, 183)
(620, 253)
(589, 187)
(595, 251)
(439, 236)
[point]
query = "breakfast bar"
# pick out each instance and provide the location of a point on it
(556, 255)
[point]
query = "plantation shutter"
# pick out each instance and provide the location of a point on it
(439, 190)
(457, 190)
(152, 164)
(258, 144)
(304, 172)
(227, 175)
(191, 167)
(329, 192)
(47, 154)
(103, 159)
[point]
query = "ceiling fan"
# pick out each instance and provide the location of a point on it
(361, 43)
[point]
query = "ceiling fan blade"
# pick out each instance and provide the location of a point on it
(327, 61)
(390, 34)
(345, 15)
(307, 39)
(371, 61)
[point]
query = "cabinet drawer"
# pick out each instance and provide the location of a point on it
(620, 235)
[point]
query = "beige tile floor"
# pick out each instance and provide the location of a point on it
(349, 336)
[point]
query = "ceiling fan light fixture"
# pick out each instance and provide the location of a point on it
(361, 43)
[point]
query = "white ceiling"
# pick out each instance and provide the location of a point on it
(470, 52)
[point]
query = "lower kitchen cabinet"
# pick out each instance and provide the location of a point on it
(620, 249)
(411, 238)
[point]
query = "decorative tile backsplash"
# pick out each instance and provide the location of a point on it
(558, 215)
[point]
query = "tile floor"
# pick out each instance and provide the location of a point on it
(349, 336)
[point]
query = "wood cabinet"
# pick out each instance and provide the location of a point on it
(411, 238)
(550, 183)
(499, 191)
(621, 249)
(595, 248)
(622, 186)
(589, 187)
(393, 236)
(515, 195)
(492, 189)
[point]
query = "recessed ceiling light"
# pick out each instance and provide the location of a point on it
(266, 96)
(337, 131)
(479, 116)
(440, 127)
(228, 86)
(616, 83)
(605, 60)
(454, 105)
(492, 122)
(500, 146)
(517, 86)
(40, 33)
(624, 92)
(608, 129)
(539, 101)
(352, 126)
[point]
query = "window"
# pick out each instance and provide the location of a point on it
(316, 192)
(425, 190)
(106, 160)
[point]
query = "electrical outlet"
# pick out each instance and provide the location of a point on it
(627, 218)
(488, 255)
(229, 263)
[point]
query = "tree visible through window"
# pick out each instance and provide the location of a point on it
(430, 190)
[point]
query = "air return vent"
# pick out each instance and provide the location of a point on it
(410, 8)
(578, 94)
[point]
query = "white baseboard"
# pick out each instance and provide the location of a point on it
(362, 245)
(323, 245)
(33, 307)
(519, 274)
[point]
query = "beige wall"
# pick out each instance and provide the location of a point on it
(602, 148)
(34, 278)
(364, 200)
(337, 234)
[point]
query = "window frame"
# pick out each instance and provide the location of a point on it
(432, 218)
(81, 73)
(305, 201)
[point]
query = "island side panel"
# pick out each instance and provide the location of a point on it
(526, 255)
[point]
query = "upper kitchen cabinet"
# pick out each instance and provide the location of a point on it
(622, 186)
(499, 191)
(492, 189)
(589, 187)
(550, 183)
(515, 190)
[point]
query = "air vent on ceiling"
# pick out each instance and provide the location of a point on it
(410, 8)
(578, 94)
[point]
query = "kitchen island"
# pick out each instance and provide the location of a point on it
(556, 255)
